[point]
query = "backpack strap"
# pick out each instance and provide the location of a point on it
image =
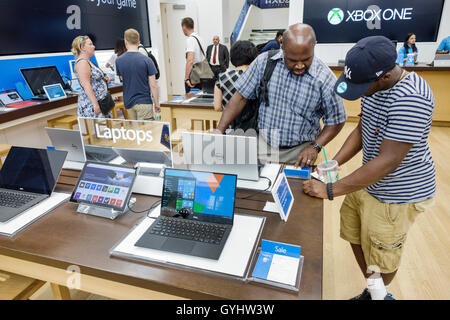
(268, 71)
(201, 48)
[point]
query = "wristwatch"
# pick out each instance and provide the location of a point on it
(330, 191)
(316, 146)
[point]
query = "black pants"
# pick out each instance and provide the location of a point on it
(216, 70)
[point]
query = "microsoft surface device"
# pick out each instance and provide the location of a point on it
(197, 212)
(27, 177)
(222, 153)
(54, 92)
(12, 99)
(68, 140)
(104, 185)
(37, 78)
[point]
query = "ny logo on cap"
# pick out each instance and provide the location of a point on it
(348, 72)
(379, 73)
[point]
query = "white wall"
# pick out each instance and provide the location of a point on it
(231, 9)
(331, 53)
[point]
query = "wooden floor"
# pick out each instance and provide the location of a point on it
(424, 270)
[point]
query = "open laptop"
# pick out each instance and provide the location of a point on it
(197, 212)
(222, 153)
(99, 153)
(12, 99)
(133, 156)
(442, 60)
(207, 87)
(27, 177)
(68, 140)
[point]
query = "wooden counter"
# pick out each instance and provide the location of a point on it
(62, 238)
(438, 78)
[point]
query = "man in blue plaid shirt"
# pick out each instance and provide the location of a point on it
(300, 93)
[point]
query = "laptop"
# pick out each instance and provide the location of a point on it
(197, 212)
(133, 156)
(207, 87)
(101, 154)
(12, 99)
(222, 153)
(105, 185)
(68, 140)
(28, 177)
(442, 60)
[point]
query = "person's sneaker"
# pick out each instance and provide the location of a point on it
(365, 295)
(389, 297)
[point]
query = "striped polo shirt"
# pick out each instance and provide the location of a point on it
(402, 113)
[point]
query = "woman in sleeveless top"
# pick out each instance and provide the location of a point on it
(92, 79)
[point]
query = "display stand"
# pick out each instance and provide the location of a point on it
(295, 287)
(104, 212)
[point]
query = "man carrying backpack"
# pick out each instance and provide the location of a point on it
(296, 91)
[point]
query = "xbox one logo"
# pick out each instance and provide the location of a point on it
(335, 16)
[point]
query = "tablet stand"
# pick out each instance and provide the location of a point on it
(104, 212)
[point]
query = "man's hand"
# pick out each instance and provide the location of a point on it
(188, 82)
(315, 188)
(307, 157)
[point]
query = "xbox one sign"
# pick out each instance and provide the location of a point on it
(335, 16)
(351, 20)
(372, 14)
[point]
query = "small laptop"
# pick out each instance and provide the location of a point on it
(28, 177)
(231, 154)
(133, 156)
(207, 87)
(99, 153)
(105, 185)
(68, 140)
(197, 212)
(54, 92)
(12, 99)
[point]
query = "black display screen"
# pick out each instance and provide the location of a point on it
(32, 170)
(349, 21)
(51, 25)
(37, 78)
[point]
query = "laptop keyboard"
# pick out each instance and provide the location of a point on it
(14, 200)
(188, 230)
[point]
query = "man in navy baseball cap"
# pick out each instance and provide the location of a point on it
(397, 175)
(369, 60)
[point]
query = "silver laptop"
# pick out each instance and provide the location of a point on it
(133, 156)
(68, 140)
(442, 60)
(222, 153)
(28, 177)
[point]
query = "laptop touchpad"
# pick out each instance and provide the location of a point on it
(178, 245)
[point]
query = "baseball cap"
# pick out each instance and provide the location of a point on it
(366, 62)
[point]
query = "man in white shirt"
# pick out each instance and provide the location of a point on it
(193, 51)
(218, 57)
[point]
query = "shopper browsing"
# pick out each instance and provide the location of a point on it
(92, 79)
(139, 83)
(397, 179)
(300, 94)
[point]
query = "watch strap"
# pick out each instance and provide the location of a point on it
(330, 191)
(316, 146)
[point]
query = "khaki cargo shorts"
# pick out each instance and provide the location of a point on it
(380, 228)
(141, 112)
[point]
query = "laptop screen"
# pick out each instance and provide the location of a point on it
(32, 170)
(10, 96)
(105, 185)
(197, 195)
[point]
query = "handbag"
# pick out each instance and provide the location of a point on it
(106, 104)
(200, 70)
